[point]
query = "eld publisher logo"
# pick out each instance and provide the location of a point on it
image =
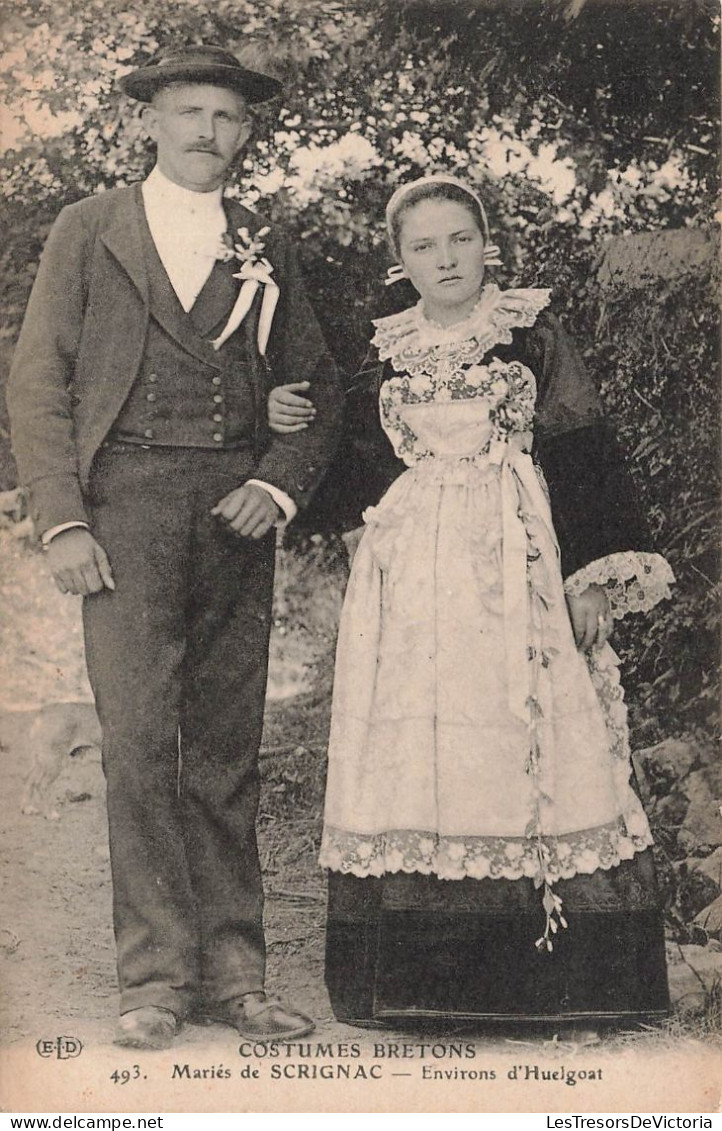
(62, 1048)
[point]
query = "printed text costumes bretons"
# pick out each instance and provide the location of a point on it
(471, 741)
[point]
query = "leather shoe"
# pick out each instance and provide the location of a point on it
(149, 1027)
(261, 1018)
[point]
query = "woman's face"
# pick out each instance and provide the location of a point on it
(442, 251)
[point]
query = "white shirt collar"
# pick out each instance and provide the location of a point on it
(159, 191)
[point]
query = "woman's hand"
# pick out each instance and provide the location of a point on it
(287, 411)
(591, 617)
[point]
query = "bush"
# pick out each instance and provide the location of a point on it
(578, 121)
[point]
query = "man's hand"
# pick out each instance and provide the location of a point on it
(287, 410)
(590, 617)
(249, 511)
(78, 563)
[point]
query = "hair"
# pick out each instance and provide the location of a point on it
(438, 190)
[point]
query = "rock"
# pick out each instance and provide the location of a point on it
(710, 866)
(642, 259)
(702, 824)
(13, 504)
(24, 529)
(42, 657)
(709, 754)
(693, 973)
(695, 889)
(9, 941)
(661, 768)
(710, 918)
(670, 812)
(711, 773)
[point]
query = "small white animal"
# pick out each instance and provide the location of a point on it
(56, 731)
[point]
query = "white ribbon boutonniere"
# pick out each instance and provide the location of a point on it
(255, 271)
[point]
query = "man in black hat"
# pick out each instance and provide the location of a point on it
(160, 317)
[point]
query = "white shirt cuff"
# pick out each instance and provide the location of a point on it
(280, 498)
(49, 534)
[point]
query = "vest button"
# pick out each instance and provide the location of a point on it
(152, 376)
(218, 399)
(216, 381)
(149, 433)
(217, 417)
(152, 397)
(217, 437)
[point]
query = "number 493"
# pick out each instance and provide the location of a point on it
(124, 1075)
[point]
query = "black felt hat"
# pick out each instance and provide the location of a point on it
(198, 64)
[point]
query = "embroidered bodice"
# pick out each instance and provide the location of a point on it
(449, 400)
(441, 402)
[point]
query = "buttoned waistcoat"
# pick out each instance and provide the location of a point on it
(82, 347)
(177, 400)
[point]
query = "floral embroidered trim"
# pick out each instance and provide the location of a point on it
(540, 654)
(509, 388)
(604, 671)
(454, 858)
(416, 345)
(634, 581)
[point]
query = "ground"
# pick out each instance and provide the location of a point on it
(57, 963)
(57, 958)
(56, 945)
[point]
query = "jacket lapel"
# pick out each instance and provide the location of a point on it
(240, 217)
(129, 240)
(124, 240)
(217, 298)
(210, 311)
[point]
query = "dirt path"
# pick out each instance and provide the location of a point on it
(57, 956)
(57, 960)
(57, 970)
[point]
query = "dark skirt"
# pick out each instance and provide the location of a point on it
(408, 946)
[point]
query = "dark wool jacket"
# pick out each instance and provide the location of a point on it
(81, 349)
(593, 500)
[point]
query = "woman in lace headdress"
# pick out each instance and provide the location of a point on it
(488, 856)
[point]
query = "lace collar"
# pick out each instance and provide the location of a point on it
(408, 337)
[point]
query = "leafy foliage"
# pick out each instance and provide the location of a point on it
(578, 120)
(657, 357)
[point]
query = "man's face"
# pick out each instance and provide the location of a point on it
(198, 130)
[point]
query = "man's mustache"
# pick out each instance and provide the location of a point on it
(201, 148)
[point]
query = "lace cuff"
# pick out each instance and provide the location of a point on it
(633, 581)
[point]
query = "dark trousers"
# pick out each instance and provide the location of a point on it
(177, 658)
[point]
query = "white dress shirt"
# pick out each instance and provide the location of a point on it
(187, 228)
